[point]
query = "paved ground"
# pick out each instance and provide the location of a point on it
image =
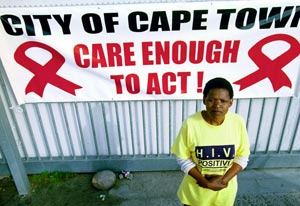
(256, 188)
(279, 187)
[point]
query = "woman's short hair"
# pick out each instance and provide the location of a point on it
(218, 83)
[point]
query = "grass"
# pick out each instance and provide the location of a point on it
(50, 178)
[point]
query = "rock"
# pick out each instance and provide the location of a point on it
(104, 180)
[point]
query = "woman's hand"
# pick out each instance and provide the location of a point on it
(215, 182)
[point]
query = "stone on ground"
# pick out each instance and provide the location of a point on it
(104, 180)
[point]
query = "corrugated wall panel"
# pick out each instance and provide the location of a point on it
(93, 129)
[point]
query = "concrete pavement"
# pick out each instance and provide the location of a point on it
(280, 187)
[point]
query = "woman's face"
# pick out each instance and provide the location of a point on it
(217, 102)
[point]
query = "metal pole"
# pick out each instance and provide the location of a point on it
(11, 153)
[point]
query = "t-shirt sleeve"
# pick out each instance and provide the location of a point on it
(180, 146)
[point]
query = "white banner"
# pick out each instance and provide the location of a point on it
(150, 51)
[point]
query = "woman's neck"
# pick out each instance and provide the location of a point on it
(216, 121)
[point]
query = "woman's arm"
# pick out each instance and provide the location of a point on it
(189, 167)
(233, 171)
(214, 183)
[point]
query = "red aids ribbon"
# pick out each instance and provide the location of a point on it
(43, 74)
(271, 69)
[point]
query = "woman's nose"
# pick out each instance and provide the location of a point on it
(217, 103)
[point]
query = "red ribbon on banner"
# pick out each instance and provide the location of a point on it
(43, 74)
(268, 68)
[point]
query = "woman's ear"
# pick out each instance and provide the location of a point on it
(231, 102)
(204, 98)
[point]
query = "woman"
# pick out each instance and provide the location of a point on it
(212, 147)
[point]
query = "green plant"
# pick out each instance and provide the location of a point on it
(50, 178)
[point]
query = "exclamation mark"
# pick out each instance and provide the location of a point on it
(200, 81)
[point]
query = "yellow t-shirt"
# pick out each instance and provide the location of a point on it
(213, 149)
